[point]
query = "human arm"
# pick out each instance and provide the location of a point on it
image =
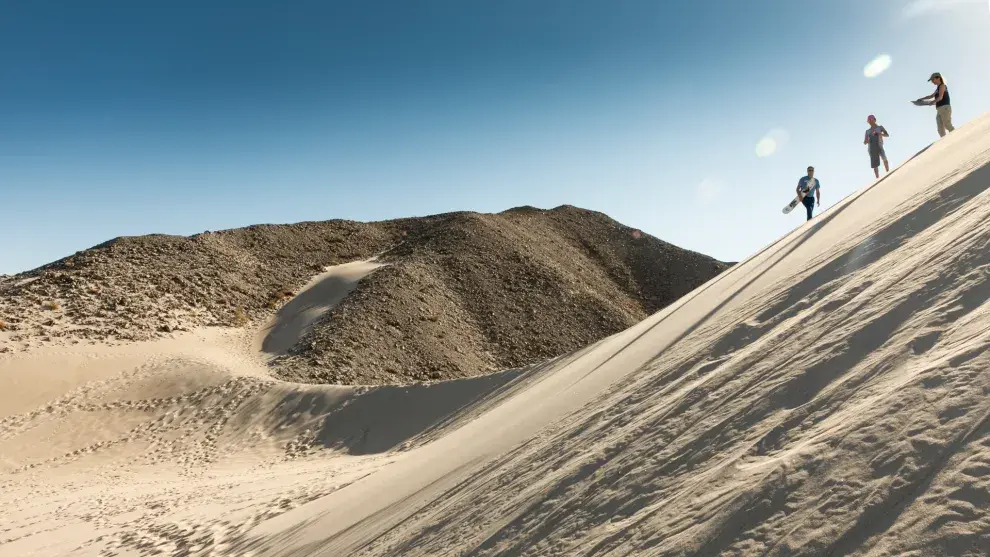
(936, 96)
(883, 130)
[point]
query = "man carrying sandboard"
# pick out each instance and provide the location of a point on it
(806, 185)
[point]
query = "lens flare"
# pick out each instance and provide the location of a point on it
(877, 66)
(766, 147)
(773, 141)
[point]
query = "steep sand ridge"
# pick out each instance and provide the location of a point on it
(826, 396)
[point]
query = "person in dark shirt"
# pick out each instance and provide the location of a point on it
(874, 142)
(940, 98)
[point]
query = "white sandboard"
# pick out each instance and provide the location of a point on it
(793, 204)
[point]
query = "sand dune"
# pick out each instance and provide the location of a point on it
(827, 396)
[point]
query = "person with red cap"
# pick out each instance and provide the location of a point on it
(874, 142)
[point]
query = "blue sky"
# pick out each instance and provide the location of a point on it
(125, 118)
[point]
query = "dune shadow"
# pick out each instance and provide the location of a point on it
(381, 419)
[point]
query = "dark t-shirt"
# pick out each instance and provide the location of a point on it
(945, 97)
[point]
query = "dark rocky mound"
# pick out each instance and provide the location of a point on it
(133, 288)
(462, 293)
(468, 293)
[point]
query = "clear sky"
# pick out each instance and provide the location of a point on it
(125, 118)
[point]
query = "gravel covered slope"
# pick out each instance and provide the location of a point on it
(469, 293)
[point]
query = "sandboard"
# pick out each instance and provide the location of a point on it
(793, 203)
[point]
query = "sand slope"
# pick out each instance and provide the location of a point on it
(828, 396)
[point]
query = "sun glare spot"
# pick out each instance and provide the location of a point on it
(877, 66)
(772, 142)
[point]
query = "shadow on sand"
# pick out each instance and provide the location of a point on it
(379, 419)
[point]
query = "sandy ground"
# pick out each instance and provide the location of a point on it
(827, 396)
(171, 447)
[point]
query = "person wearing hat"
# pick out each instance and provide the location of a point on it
(874, 142)
(809, 186)
(940, 98)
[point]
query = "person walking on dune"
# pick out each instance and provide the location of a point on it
(810, 187)
(874, 142)
(940, 98)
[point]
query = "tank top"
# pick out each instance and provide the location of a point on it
(945, 97)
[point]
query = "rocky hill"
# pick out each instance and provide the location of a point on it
(460, 294)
